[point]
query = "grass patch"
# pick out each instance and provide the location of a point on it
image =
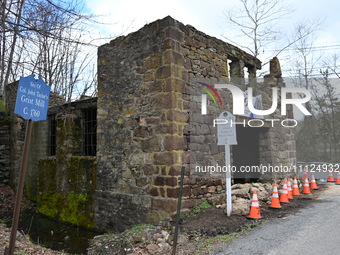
(218, 239)
(208, 243)
(138, 229)
(197, 209)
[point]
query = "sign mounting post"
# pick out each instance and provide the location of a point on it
(32, 105)
(226, 135)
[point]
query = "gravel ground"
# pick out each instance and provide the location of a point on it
(314, 231)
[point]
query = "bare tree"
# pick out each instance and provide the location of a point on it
(318, 136)
(11, 16)
(332, 65)
(328, 105)
(303, 61)
(257, 22)
(258, 26)
(48, 38)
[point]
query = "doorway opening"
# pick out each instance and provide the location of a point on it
(246, 154)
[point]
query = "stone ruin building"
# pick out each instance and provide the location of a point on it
(115, 161)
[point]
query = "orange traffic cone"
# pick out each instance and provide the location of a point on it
(330, 176)
(275, 198)
(313, 184)
(289, 189)
(306, 189)
(296, 191)
(284, 193)
(254, 208)
(337, 182)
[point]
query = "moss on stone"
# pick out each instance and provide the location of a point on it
(50, 203)
(47, 174)
(70, 208)
(68, 195)
(29, 193)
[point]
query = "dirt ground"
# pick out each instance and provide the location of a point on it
(203, 230)
(214, 222)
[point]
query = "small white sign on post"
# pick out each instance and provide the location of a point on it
(226, 129)
(226, 135)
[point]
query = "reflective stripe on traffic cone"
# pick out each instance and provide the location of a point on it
(313, 184)
(275, 198)
(289, 189)
(254, 208)
(284, 193)
(306, 189)
(330, 176)
(296, 191)
(338, 179)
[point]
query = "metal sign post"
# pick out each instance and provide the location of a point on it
(31, 104)
(226, 135)
(178, 214)
(20, 188)
(228, 179)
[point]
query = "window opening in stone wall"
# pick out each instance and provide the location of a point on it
(246, 77)
(90, 131)
(246, 74)
(228, 66)
(52, 138)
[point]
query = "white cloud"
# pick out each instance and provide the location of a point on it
(125, 16)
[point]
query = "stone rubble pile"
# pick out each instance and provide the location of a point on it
(242, 193)
(150, 241)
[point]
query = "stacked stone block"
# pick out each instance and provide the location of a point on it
(5, 143)
(150, 125)
(141, 126)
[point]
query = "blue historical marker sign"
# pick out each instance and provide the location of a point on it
(32, 98)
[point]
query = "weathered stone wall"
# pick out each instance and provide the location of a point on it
(17, 133)
(141, 126)
(66, 181)
(38, 147)
(149, 121)
(37, 151)
(5, 148)
(149, 126)
(277, 144)
(63, 185)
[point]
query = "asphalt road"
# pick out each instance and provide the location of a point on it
(314, 230)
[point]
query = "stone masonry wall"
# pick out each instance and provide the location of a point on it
(17, 133)
(150, 124)
(5, 148)
(38, 147)
(141, 126)
(63, 185)
(66, 181)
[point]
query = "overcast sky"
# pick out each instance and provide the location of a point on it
(125, 16)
